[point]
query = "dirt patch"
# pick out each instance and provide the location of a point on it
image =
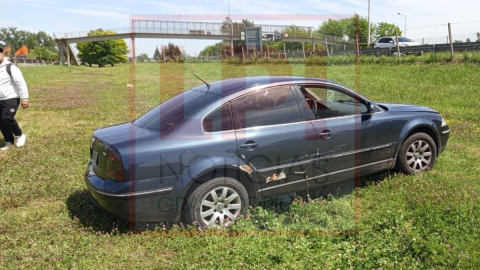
(66, 96)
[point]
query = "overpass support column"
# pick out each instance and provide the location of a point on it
(67, 48)
(313, 45)
(132, 35)
(61, 52)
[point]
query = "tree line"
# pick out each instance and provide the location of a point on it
(41, 45)
(343, 29)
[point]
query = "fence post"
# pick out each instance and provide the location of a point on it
(451, 41)
(326, 45)
(357, 47)
(303, 49)
(398, 46)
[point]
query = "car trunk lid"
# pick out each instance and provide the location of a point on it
(120, 137)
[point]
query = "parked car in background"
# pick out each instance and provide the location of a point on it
(390, 42)
(210, 152)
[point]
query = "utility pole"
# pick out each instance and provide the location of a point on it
(368, 42)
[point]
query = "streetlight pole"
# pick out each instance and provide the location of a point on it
(368, 42)
(405, 28)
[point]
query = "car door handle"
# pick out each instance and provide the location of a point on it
(249, 145)
(325, 134)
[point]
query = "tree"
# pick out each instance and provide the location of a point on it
(171, 51)
(107, 52)
(143, 57)
(238, 27)
(45, 40)
(157, 55)
(17, 38)
(293, 31)
(362, 24)
(28, 39)
(219, 48)
(12, 37)
(384, 29)
(345, 28)
(41, 45)
(336, 28)
(43, 53)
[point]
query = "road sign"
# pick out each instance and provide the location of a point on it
(253, 38)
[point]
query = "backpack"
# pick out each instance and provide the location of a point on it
(9, 71)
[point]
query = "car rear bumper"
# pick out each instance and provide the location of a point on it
(131, 201)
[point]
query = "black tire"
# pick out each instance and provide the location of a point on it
(417, 154)
(203, 209)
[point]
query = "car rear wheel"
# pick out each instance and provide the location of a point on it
(216, 202)
(417, 154)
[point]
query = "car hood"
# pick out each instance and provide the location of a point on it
(397, 107)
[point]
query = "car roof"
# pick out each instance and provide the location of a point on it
(230, 86)
(392, 37)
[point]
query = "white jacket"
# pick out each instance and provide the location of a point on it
(12, 89)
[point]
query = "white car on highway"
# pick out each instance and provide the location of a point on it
(390, 42)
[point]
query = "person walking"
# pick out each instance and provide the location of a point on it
(12, 88)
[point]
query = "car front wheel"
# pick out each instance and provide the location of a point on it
(216, 202)
(417, 154)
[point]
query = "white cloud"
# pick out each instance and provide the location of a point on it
(96, 13)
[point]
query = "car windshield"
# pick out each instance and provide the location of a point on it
(174, 110)
(404, 39)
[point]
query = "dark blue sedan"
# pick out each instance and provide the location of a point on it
(207, 154)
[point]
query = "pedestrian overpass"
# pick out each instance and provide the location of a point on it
(189, 30)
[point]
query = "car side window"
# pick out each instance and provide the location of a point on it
(383, 40)
(327, 103)
(266, 107)
(219, 120)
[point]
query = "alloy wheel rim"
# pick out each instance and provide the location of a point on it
(220, 205)
(419, 156)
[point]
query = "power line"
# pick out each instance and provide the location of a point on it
(430, 26)
(426, 26)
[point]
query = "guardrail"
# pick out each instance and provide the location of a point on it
(472, 46)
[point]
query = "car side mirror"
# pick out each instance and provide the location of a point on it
(392, 41)
(370, 108)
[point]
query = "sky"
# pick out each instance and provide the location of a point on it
(424, 19)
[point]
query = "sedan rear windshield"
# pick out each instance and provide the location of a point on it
(402, 39)
(174, 110)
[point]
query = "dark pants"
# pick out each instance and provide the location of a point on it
(8, 124)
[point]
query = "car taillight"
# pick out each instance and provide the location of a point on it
(114, 166)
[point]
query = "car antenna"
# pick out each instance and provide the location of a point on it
(208, 85)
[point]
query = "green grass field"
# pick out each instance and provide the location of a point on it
(427, 221)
